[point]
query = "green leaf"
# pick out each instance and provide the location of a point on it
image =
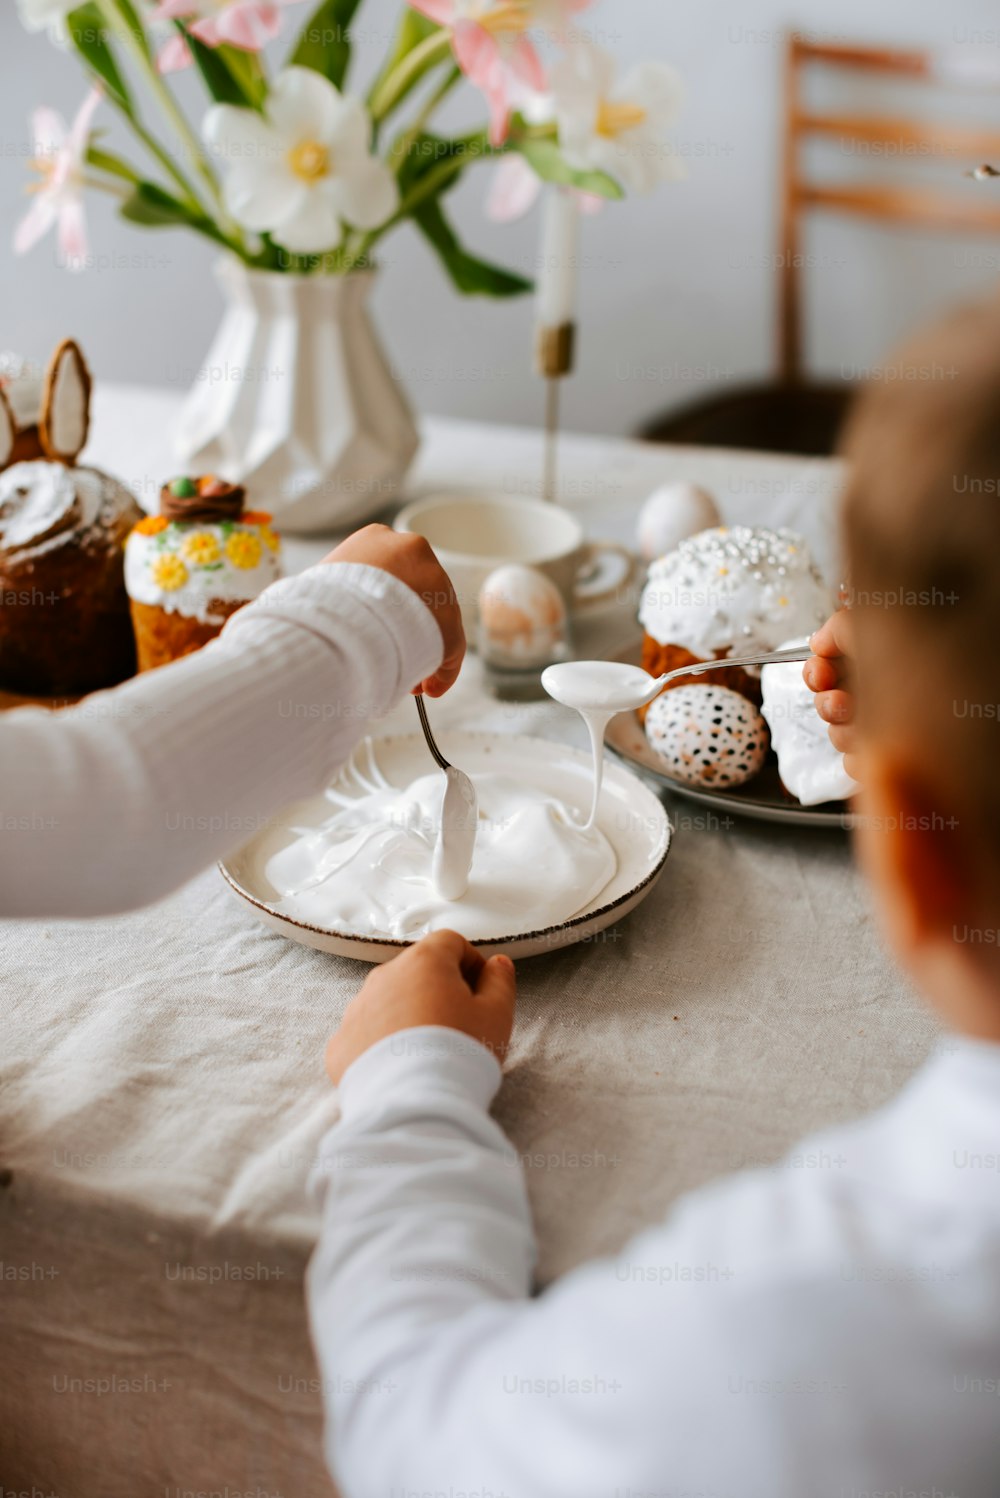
(426, 152)
(107, 161)
(155, 208)
(89, 36)
(324, 43)
(223, 72)
(472, 276)
(127, 10)
(413, 29)
(246, 68)
(416, 34)
(546, 159)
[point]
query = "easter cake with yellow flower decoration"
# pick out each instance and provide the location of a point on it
(189, 568)
(730, 590)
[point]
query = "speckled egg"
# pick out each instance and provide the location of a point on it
(671, 514)
(708, 737)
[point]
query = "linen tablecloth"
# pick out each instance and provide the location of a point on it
(162, 1094)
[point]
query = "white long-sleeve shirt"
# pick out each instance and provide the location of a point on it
(831, 1326)
(110, 805)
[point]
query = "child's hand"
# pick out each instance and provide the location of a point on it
(411, 559)
(440, 981)
(828, 675)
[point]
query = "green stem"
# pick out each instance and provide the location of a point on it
(97, 184)
(429, 185)
(404, 143)
(388, 93)
(166, 161)
(168, 104)
(105, 161)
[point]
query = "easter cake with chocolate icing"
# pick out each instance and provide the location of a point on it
(64, 624)
(189, 568)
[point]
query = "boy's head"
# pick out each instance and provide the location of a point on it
(922, 532)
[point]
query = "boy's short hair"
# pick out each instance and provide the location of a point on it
(922, 532)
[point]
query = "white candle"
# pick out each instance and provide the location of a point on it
(557, 277)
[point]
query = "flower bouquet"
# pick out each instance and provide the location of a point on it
(299, 179)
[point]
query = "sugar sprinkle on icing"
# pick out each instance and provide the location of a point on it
(738, 588)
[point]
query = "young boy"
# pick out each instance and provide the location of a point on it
(854, 1348)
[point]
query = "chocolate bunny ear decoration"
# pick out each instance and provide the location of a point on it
(65, 418)
(8, 430)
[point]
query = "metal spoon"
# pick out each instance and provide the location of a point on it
(770, 658)
(612, 687)
(459, 820)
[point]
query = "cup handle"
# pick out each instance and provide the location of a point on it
(622, 576)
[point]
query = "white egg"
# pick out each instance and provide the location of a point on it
(522, 614)
(671, 514)
(710, 737)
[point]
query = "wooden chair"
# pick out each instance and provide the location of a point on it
(792, 414)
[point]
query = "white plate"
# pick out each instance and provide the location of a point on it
(763, 799)
(630, 816)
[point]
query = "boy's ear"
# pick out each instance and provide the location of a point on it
(914, 847)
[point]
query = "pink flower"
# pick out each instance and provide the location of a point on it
(246, 24)
(59, 158)
(493, 49)
(515, 189)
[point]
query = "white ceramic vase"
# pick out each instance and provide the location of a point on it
(295, 399)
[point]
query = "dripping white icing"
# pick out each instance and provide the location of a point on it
(35, 498)
(597, 690)
(369, 869)
(46, 505)
(809, 765)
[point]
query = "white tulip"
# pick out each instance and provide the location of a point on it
(616, 125)
(47, 15)
(305, 169)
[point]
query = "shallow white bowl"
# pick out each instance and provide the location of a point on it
(630, 816)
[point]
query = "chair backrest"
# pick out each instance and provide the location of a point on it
(919, 206)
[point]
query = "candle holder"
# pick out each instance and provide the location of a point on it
(555, 340)
(554, 350)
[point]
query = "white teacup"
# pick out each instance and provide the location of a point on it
(474, 536)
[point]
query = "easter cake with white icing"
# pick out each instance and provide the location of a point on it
(189, 568)
(729, 590)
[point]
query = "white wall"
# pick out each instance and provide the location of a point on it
(677, 290)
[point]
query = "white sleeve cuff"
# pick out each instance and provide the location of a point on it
(426, 1059)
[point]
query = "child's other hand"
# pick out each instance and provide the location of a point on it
(828, 674)
(442, 980)
(411, 559)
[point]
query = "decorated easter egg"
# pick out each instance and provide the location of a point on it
(522, 614)
(708, 737)
(671, 514)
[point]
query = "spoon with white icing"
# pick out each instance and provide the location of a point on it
(456, 841)
(599, 690)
